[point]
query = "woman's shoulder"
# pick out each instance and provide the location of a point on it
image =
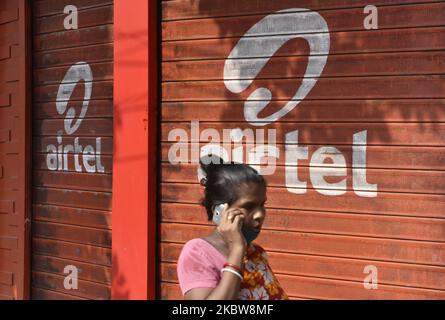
(255, 250)
(198, 247)
(194, 243)
(199, 254)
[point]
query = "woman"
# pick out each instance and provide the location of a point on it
(226, 265)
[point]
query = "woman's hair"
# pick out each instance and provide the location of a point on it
(223, 181)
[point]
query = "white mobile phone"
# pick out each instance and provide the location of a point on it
(217, 212)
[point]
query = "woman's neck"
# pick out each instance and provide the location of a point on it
(218, 242)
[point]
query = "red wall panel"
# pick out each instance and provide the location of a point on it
(72, 149)
(387, 82)
(14, 149)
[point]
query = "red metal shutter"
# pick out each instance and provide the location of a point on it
(378, 105)
(73, 141)
(14, 150)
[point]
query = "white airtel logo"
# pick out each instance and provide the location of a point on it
(250, 55)
(241, 67)
(57, 155)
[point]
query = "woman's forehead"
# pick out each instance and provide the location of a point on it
(251, 193)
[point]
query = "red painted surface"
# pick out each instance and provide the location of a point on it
(71, 209)
(386, 81)
(14, 149)
(134, 162)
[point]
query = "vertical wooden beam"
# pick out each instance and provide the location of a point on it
(134, 240)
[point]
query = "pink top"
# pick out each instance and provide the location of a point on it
(199, 265)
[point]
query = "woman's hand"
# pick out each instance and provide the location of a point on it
(230, 228)
(229, 285)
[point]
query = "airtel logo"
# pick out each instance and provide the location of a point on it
(242, 65)
(88, 157)
(246, 60)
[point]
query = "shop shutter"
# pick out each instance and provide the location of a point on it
(372, 114)
(72, 149)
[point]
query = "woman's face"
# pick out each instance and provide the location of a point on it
(251, 202)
